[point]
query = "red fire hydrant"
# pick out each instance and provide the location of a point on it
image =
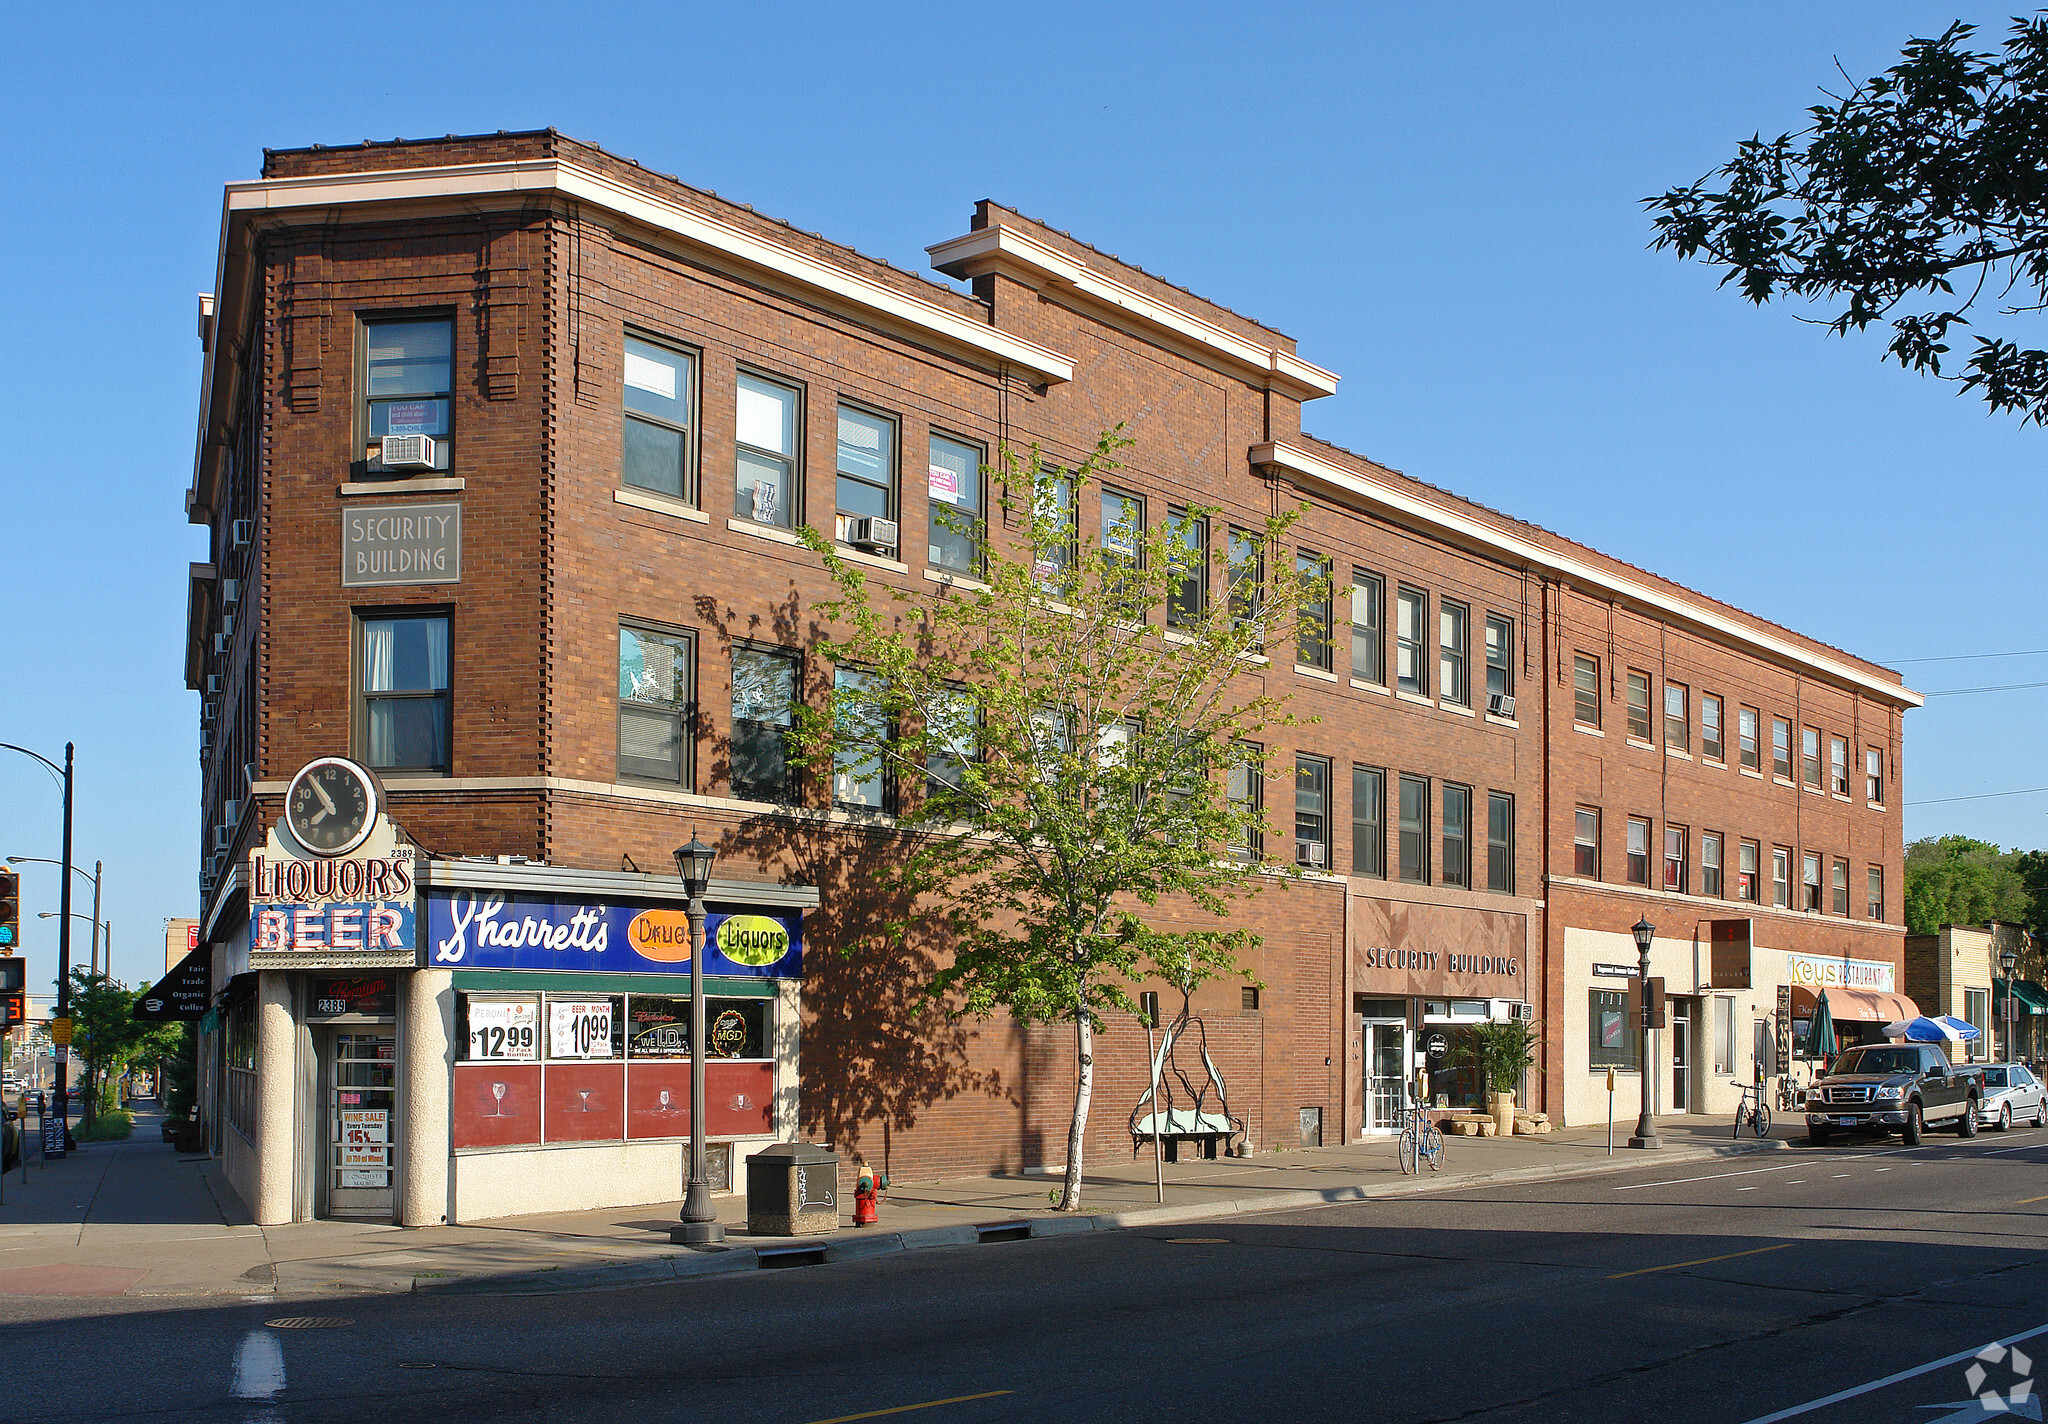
(867, 1195)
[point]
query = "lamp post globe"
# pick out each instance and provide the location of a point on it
(1646, 1125)
(700, 1219)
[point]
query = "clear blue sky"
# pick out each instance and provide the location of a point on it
(1440, 203)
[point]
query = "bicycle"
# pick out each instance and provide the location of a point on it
(1420, 1138)
(1753, 1111)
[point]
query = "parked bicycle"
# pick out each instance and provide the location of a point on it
(1753, 1111)
(1421, 1138)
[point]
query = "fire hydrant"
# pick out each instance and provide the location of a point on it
(867, 1195)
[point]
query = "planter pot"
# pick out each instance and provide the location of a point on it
(1502, 1105)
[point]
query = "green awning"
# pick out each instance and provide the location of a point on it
(2029, 997)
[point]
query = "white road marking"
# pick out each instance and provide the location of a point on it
(1745, 1189)
(1838, 1174)
(1838, 1397)
(1796, 1182)
(259, 1367)
(1710, 1177)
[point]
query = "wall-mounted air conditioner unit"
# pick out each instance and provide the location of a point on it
(241, 533)
(872, 533)
(220, 645)
(231, 813)
(230, 592)
(1506, 1010)
(408, 452)
(209, 708)
(213, 684)
(1310, 853)
(227, 625)
(220, 837)
(249, 773)
(1500, 704)
(205, 742)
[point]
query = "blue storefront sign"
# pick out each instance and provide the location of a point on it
(481, 929)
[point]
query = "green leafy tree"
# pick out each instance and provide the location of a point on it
(1072, 737)
(107, 1036)
(1912, 198)
(1955, 880)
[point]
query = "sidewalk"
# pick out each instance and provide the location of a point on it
(135, 1218)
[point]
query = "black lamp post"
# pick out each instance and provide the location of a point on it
(700, 1220)
(62, 1101)
(1646, 1125)
(2009, 958)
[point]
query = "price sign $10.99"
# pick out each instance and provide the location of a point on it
(503, 1031)
(579, 1030)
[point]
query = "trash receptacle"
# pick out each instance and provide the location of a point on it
(793, 1190)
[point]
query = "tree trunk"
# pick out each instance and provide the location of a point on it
(1084, 1088)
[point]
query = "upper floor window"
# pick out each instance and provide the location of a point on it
(1123, 549)
(1500, 841)
(1586, 690)
(1454, 653)
(656, 704)
(1414, 829)
(1638, 851)
(1245, 787)
(954, 725)
(1840, 886)
(866, 485)
(660, 393)
(1058, 522)
(1639, 705)
(1674, 859)
(1875, 892)
(1312, 811)
(1247, 576)
(1313, 643)
(860, 778)
(1781, 748)
(1368, 821)
(1712, 747)
(763, 710)
(1838, 765)
(403, 705)
(768, 470)
(1586, 843)
(1873, 775)
(1809, 876)
(1188, 602)
(1411, 617)
(408, 379)
(1677, 717)
(1710, 863)
(1747, 721)
(1747, 871)
(953, 483)
(1368, 627)
(1809, 756)
(1457, 861)
(1781, 877)
(1500, 678)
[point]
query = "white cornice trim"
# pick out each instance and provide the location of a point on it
(1313, 472)
(1001, 248)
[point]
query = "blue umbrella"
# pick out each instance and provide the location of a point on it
(1943, 1028)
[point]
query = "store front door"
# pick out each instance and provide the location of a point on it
(358, 1092)
(1386, 1075)
(1681, 1063)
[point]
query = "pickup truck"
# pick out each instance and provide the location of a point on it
(1894, 1087)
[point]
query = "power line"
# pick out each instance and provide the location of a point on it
(2005, 687)
(1968, 657)
(1985, 796)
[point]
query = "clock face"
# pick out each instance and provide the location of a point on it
(331, 806)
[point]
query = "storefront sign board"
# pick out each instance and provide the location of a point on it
(1616, 971)
(371, 996)
(1729, 945)
(1815, 971)
(487, 930)
(180, 994)
(336, 912)
(1436, 952)
(401, 544)
(578, 1029)
(506, 1032)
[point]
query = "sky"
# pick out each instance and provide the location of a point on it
(1440, 203)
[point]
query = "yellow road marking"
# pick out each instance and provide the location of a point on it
(906, 1408)
(2025, 1200)
(1678, 1265)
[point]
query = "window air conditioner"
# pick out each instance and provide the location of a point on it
(241, 533)
(230, 592)
(1500, 704)
(205, 743)
(213, 866)
(209, 709)
(213, 684)
(408, 452)
(220, 645)
(1521, 1011)
(227, 625)
(231, 813)
(1310, 853)
(874, 533)
(220, 837)
(249, 772)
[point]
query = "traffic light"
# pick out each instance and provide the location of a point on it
(13, 990)
(10, 911)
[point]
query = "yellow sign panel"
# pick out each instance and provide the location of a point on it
(60, 1030)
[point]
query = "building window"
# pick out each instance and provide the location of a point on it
(1809, 882)
(1189, 601)
(1368, 821)
(1724, 1035)
(1838, 765)
(1677, 717)
(1248, 997)
(1747, 720)
(1586, 843)
(1977, 1013)
(657, 705)
(403, 720)
(1368, 630)
(859, 775)
(1875, 893)
(660, 394)
(1312, 812)
(1638, 870)
(1411, 616)
(768, 472)
(1056, 523)
(1123, 550)
(1500, 643)
(763, 708)
(1312, 640)
(954, 724)
(1781, 877)
(1639, 706)
(1748, 854)
(1453, 653)
(1873, 775)
(1674, 859)
(953, 485)
(1711, 745)
(408, 379)
(1781, 748)
(1840, 886)
(1809, 756)
(1246, 790)
(1457, 861)
(1500, 842)
(1586, 690)
(1247, 575)
(1613, 1037)
(1414, 829)
(866, 487)
(1710, 864)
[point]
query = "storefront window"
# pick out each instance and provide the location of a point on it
(658, 1026)
(1613, 1041)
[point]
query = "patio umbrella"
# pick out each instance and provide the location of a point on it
(1943, 1028)
(1820, 1029)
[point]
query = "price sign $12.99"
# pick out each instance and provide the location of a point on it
(502, 1031)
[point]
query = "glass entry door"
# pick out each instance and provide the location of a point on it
(1681, 1064)
(362, 1122)
(1386, 1075)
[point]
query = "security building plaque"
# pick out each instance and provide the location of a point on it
(391, 544)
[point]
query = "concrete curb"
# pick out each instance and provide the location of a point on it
(616, 1275)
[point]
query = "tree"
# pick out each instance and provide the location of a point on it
(1955, 880)
(1929, 179)
(1063, 766)
(106, 1034)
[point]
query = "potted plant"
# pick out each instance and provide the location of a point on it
(1501, 1052)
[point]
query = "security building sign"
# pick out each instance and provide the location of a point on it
(332, 888)
(401, 544)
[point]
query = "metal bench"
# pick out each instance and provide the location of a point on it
(1206, 1129)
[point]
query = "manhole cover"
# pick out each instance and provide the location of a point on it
(308, 1322)
(1198, 1240)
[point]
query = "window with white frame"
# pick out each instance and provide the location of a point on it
(1746, 737)
(1838, 765)
(1677, 717)
(1712, 747)
(1639, 705)
(1873, 775)
(1586, 843)
(1586, 690)
(1454, 653)
(1638, 851)
(766, 463)
(1710, 864)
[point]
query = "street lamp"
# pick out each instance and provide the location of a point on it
(700, 1220)
(77, 870)
(2009, 957)
(1646, 1126)
(63, 928)
(97, 926)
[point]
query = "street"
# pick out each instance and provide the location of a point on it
(1724, 1291)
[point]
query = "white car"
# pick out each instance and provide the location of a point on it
(2012, 1093)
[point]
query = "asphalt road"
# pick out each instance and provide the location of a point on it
(1727, 1291)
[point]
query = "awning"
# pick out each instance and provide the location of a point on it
(1856, 1005)
(2032, 998)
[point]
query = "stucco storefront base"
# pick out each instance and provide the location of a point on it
(520, 1181)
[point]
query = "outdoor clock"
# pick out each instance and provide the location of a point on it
(332, 806)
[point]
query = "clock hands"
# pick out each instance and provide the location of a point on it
(325, 800)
